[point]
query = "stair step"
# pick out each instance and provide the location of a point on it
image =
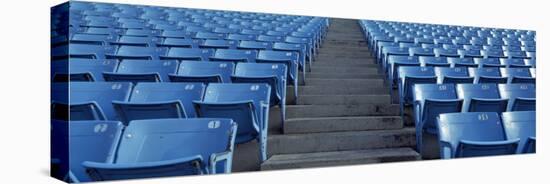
(343, 69)
(342, 99)
(343, 60)
(337, 158)
(340, 141)
(302, 111)
(328, 90)
(345, 82)
(338, 124)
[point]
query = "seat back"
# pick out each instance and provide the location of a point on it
(458, 130)
(205, 72)
(234, 55)
(433, 100)
(481, 98)
(257, 72)
(254, 45)
(218, 44)
(521, 125)
(521, 96)
(143, 71)
(411, 75)
(453, 75)
(82, 69)
(188, 54)
(87, 98)
(487, 75)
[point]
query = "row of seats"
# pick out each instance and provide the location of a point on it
(108, 150)
(486, 133)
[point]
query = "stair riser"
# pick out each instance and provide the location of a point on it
(316, 125)
(302, 111)
(342, 99)
(327, 90)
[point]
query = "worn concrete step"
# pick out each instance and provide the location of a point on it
(342, 69)
(328, 90)
(342, 99)
(303, 111)
(347, 60)
(344, 76)
(340, 141)
(338, 124)
(343, 64)
(346, 82)
(337, 158)
(343, 47)
(348, 54)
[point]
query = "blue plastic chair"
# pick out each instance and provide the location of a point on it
(408, 77)
(481, 98)
(218, 44)
(451, 53)
(90, 100)
(267, 38)
(188, 54)
(514, 63)
(142, 71)
(160, 100)
(169, 147)
(272, 74)
(390, 51)
(396, 61)
(139, 41)
(254, 45)
(418, 51)
(137, 52)
(246, 104)
(487, 75)
(462, 62)
(301, 40)
(91, 39)
(470, 53)
(240, 37)
(78, 141)
(433, 61)
(305, 56)
(431, 100)
(473, 134)
(179, 42)
(454, 75)
(493, 53)
(85, 51)
(522, 97)
(234, 55)
(209, 35)
(204, 72)
(518, 75)
(521, 125)
(488, 62)
(290, 59)
(82, 69)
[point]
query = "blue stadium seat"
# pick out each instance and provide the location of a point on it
(188, 54)
(462, 62)
(91, 39)
(493, 53)
(473, 134)
(86, 141)
(159, 101)
(301, 40)
(481, 98)
(142, 71)
(85, 51)
(434, 61)
(396, 61)
(487, 75)
(470, 53)
(234, 55)
(514, 63)
(137, 52)
(218, 44)
(441, 52)
(254, 45)
(453, 75)
(91, 100)
(518, 75)
(431, 100)
(290, 59)
(209, 35)
(272, 74)
(488, 62)
(179, 42)
(241, 37)
(139, 41)
(408, 77)
(522, 97)
(389, 51)
(305, 56)
(246, 104)
(267, 38)
(169, 147)
(418, 51)
(204, 72)
(82, 69)
(521, 125)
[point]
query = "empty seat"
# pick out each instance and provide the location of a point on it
(239, 37)
(140, 41)
(87, 51)
(204, 72)
(389, 51)
(441, 52)
(298, 47)
(453, 75)
(433, 61)
(142, 71)
(431, 100)
(254, 45)
(488, 62)
(234, 55)
(246, 104)
(290, 59)
(470, 53)
(518, 75)
(82, 69)
(308, 41)
(91, 39)
(209, 35)
(272, 74)
(91, 100)
(493, 53)
(218, 44)
(188, 54)
(179, 42)
(462, 62)
(396, 61)
(522, 97)
(408, 77)
(487, 75)
(522, 126)
(169, 147)
(481, 98)
(419, 51)
(473, 134)
(514, 63)
(137, 52)
(84, 141)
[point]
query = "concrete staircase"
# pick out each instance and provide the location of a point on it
(343, 115)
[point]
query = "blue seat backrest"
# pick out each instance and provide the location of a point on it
(257, 93)
(93, 68)
(265, 70)
(93, 39)
(194, 68)
(511, 91)
(137, 52)
(178, 42)
(520, 125)
(443, 73)
(168, 139)
(515, 72)
(235, 55)
(186, 93)
(91, 141)
(222, 44)
(89, 51)
(459, 62)
(418, 51)
(188, 54)
(434, 91)
(161, 68)
(471, 126)
(433, 61)
(102, 93)
(254, 45)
